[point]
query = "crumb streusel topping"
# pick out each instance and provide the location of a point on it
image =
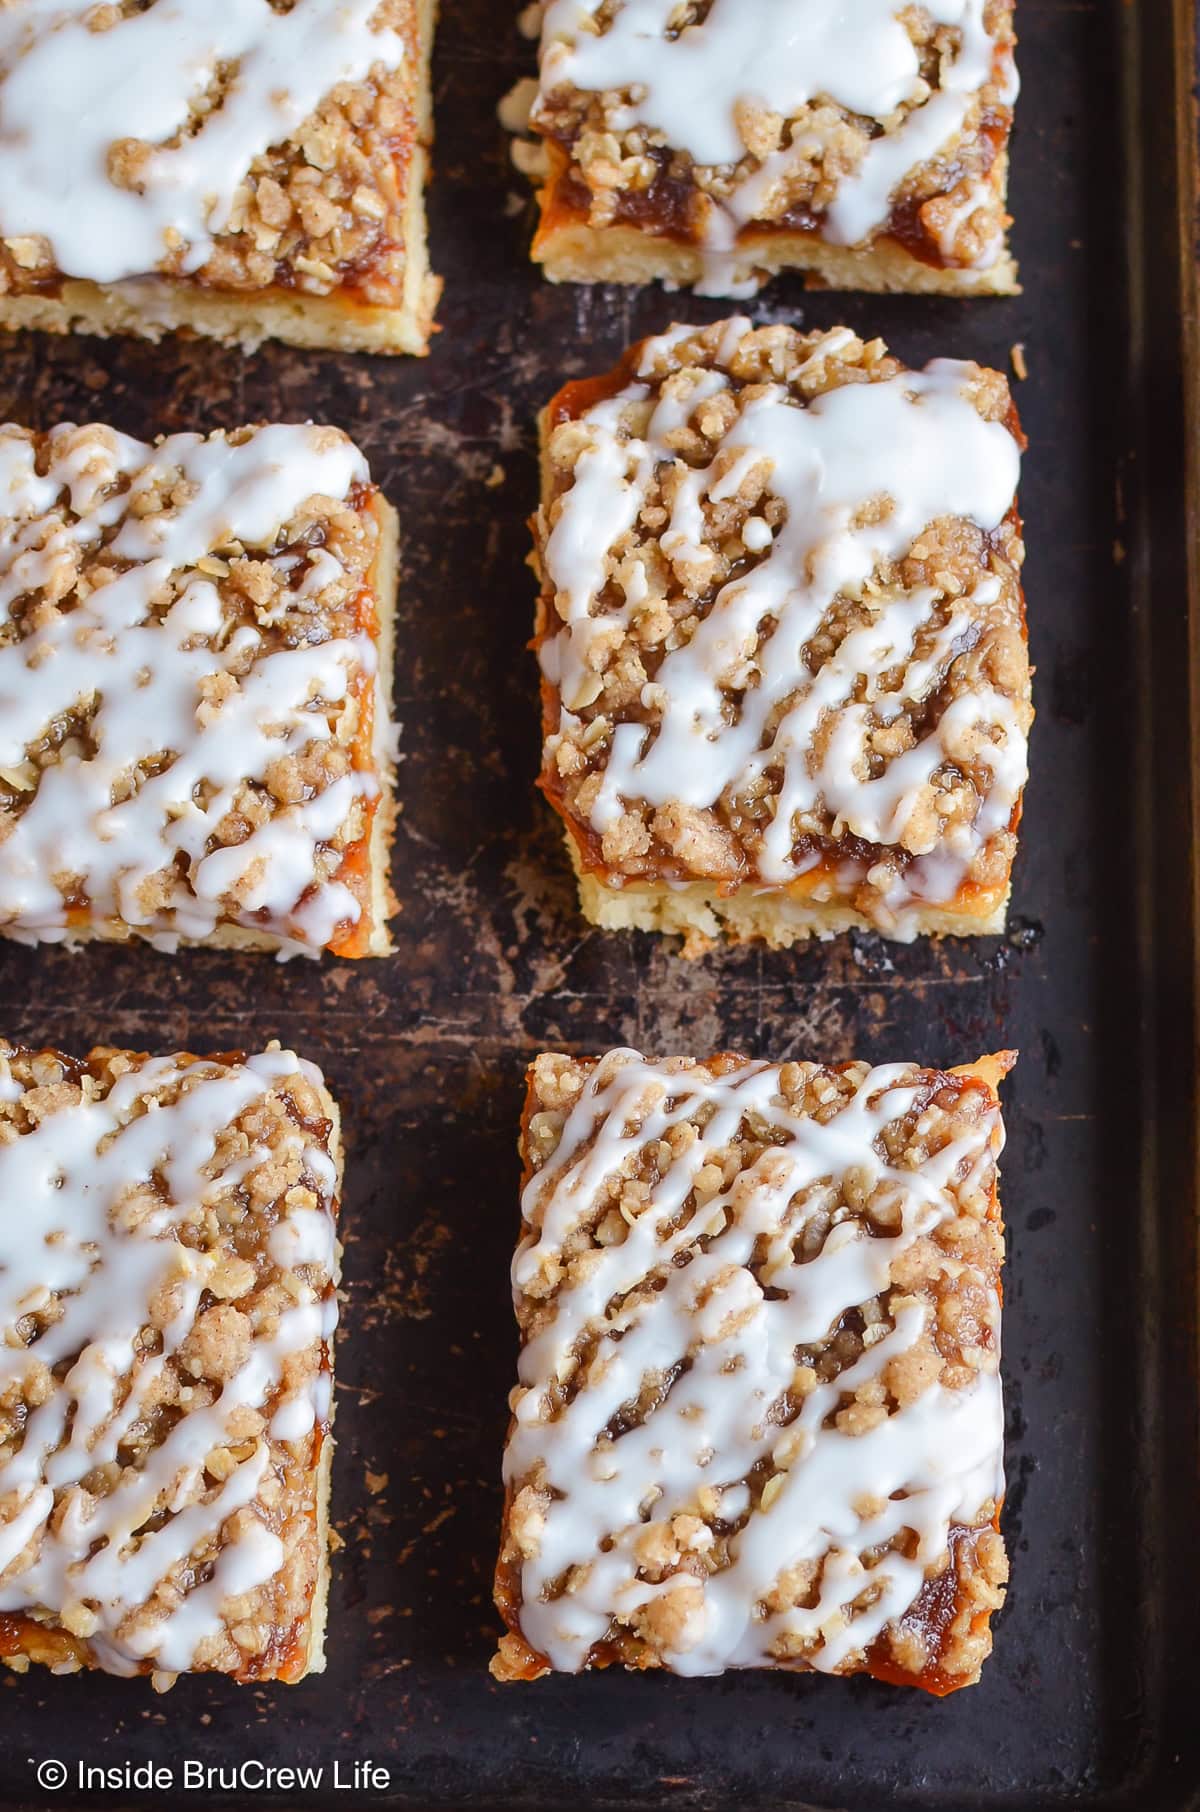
(240, 143)
(759, 1407)
(705, 117)
(782, 620)
(187, 667)
(167, 1303)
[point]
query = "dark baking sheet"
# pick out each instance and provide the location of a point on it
(1087, 1701)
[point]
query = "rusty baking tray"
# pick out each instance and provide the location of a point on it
(1087, 1702)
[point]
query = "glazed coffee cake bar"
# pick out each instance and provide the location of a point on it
(785, 677)
(168, 1265)
(195, 667)
(247, 169)
(716, 142)
(759, 1419)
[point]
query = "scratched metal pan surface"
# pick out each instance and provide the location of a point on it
(1086, 1701)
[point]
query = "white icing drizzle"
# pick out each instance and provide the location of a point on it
(690, 88)
(63, 1183)
(936, 1462)
(68, 94)
(145, 674)
(915, 439)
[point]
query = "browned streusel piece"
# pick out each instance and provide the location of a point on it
(787, 1255)
(166, 1510)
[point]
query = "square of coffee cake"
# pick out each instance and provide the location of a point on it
(245, 169)
(759, 1418)
(785, 676)
(716, 142)
(168, 1269)
(195, 668)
